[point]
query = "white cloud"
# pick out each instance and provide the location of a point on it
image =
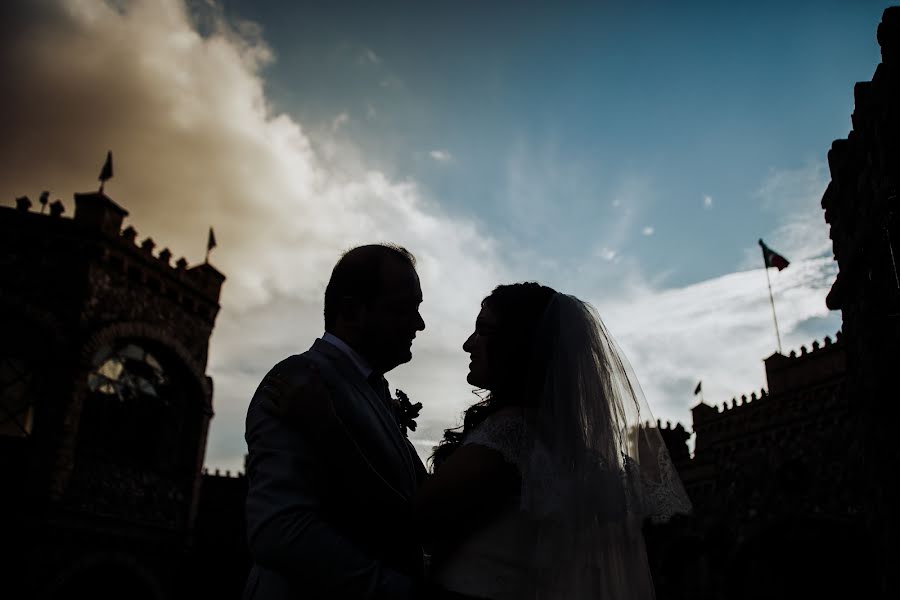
(441, 155)
(707, 201)
(647, 231)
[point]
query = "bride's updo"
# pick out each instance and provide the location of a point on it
(518, 309)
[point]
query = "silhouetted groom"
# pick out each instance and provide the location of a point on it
(328, 515)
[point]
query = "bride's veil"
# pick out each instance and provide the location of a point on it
(595, 465)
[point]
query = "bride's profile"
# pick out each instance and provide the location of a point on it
(543, 491)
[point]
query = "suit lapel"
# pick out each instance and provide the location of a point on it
(375, 420)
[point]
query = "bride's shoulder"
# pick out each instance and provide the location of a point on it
(503, 430)
(516, 412)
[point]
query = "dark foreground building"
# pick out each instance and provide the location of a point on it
(104, 409)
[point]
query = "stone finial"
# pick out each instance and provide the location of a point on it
(827, 340)
(148, 245)
(752, 396)
(815, 345)
(803, 350)
(130, 234)
(57, 208)
(837, 336)
(165, 256)
(23, 203)
(793, 354)
(181, 264)
(744, 399)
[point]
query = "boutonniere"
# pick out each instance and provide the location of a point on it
(406, 412)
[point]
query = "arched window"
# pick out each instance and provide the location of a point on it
(128, 373)
(139, 433)
(142, 410)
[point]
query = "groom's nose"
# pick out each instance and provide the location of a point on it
(467, 345)
(420, 322)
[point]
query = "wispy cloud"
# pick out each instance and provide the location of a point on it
(707, 202)
(441, 155)
(796, 195)
(648, 231)
(339, 121)
(367, 56)
(607, 254)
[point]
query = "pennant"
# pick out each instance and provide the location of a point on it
(107, 172)
(772, 258)
(698, 388)
(211, 240)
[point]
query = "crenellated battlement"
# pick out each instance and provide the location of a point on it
(223, 474)
(98, 218)
(803, 393)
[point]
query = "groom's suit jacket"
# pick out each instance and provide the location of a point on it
(329, 516)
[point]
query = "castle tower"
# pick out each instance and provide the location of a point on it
(104, 399)
(863, 208)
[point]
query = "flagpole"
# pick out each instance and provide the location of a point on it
(772, 301)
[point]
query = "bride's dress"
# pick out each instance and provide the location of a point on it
(593, 467)
(489, 563)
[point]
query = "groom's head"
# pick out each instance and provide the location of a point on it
(372, 303)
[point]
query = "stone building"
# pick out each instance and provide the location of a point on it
(104, 404)
(776, 494)
(862, 206)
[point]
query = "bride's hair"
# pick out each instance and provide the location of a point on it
(518, 309)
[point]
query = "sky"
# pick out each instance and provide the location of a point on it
(630, 153)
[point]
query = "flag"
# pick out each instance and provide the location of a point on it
(107, 171)
(698, 388)
(772, 258)
(211, 240)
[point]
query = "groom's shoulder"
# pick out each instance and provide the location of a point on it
(299, 366)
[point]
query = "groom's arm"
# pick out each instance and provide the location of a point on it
(285, 525)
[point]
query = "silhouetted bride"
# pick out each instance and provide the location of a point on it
(543, 492)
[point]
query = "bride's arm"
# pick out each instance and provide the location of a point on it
(471, 485)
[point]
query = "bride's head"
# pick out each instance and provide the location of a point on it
(501, 350)
(502, 344)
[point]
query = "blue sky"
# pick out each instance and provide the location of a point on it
(629, 153)
(574, 104)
